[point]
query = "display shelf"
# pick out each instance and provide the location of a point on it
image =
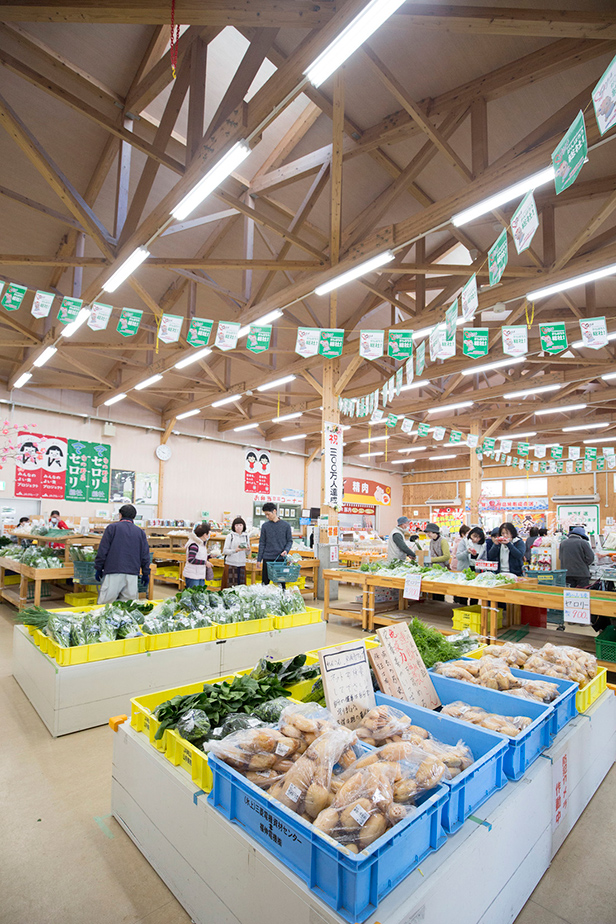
(219, 873)
(81, 696)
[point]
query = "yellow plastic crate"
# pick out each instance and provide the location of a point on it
(80, 599)
(469, 618)
(249, 627)
(312, 615)
(11, 579)
(82, 654)
(586, 696)
(164, 640)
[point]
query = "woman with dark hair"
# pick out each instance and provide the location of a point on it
(234, 553)
(197, 569)
(459, 547)
(508, 550)
(533, 532)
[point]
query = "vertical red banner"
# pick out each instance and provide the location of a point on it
(28, 465)
(257, 472)
(40, 469)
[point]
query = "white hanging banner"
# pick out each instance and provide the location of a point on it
(333, 464)
(41, 305)
(171, 327)
(226, 334)
(594, 332)
(99, 316)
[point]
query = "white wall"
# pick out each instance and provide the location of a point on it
(205, 473)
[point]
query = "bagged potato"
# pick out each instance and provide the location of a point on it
(383, 724)
(305, 722)
(504, 724)
(263, 754)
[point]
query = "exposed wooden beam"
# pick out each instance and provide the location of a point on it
(587, 231)
(482, 20)
(38, 207)
(479, 136)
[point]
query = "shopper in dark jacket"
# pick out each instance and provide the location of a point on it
(576, 556)
(508, 550)
(533, 533)
(122, 554)
(275, 540)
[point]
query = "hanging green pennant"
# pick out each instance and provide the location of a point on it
(130, 319)
(13, 297)
(475, 342)
(543, 467)
(423, 429)
(69, 309)
(524, 223)
(601, 464)
(523, 449)
(590, 452)
(331, 342)
(420, 358)
(451, 320)
(199, 332)
(556, 452)
(498, 256)
(559, 467)
(455, 436)
(553, 337)
(527, 465)
(489, 443)
(569, 156)
(392, 420)
(604, 99)
(469, 300)
(400, 344)
(399, 379)
(579, 466)
(258, 339)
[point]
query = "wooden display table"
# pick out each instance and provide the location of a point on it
(19, 597)
(356, 611)
(308, 566)
(67, 541)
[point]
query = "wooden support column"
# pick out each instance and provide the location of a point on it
(331, 368)
(479, 136)
(161, 466)
(475, 476)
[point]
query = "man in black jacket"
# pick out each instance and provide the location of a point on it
(122, 554)
(576, 556)
(275, 540)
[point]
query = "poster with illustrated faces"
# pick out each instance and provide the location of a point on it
(40, 469)
(257, 464)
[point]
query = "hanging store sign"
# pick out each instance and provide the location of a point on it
(40, 466)
(69, 309)
(41, 305)
(371, 343)
(371, 492)
(498, 256)
(130, 319)
(333, 437)
(570, 155)
(511, 503)
(257, 471)
(226, 335)
(366, 510)
(553, 337)
(400, 344)
(13, 297)
(99, 316)
(307, 342)
(469, 299)
(199, 332)
(604, 99)
(331, 342)
(258, 339)
(524, 223)
(594, 333)
(170, 328)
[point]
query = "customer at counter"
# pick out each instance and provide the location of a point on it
(439, 547)
(576, 556)
(397, 548)
(508, 550)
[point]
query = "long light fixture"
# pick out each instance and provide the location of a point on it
(283, 381)
(81, 319)
(224, 401)
(375, 439)
(355, 34)
(188, 414)
(286, 417)
(115, 399)
(505, 195)
(251, 426)
(525, 392)
(571, 283)
(518, 436)
(129, 266)
(609, 376)
(212, 179)
(192, 358)
(368, 455)
(602, 439)
(424, 331)
(413, 449)
(401, 461)
(450, 407)
(23, 378)
(296, 436)
(147, 382)
(586, 426)
(499, 364)
(360, 270)
(561, 410)
(448, 455)
(419, 384)
(260, 322)
(45, 356)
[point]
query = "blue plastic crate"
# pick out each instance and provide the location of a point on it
(525, 748)
(556, 578)
(483, 778)
(564, 708)
(351, 884)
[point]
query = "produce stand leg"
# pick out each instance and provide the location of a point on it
(485, 614)
(23, 592)
(493, 619)
(315, 579)
(401, 600)
(368, 614)
(326, 599)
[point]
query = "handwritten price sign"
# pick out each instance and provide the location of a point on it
(486, 566)
(577, 606)
(412, 587)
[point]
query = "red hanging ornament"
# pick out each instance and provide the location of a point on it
(173, 43)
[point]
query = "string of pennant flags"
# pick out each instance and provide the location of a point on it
(568, 158)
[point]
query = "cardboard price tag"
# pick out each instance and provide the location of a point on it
(486, 565)
(412, 587)
(347, 682)
(401, 650)
(577, 606)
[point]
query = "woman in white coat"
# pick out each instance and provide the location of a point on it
(234, 553)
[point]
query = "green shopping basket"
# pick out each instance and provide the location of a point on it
(282, 573)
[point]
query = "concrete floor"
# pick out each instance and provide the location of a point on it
(64, 860)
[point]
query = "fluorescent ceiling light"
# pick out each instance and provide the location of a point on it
(260, 322)
(224, 401)
(45, 355)
(213, 178)
(525, 392)
(283, 381)
(428, 330)
(519, 436)
(571, 283)
(360, 270)
(449, 455)
(287, 417)
(512, 360)
(251, 426)
(297, 436)
(505, 195)
(23, 378)
(450, 407)
(192, 358)
(401, 461)
(419, 384)
(367, 455)
(123, 272)
(81, 318)
(345, 426)
(375, 439)
(608, 376)
(579, 344)
(115, 399)
(413, 449)
(602, 439)
(147, 382)
(561, 410)
(355, 34)
(188, 414)
(586, 426)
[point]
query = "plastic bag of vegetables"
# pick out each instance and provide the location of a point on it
(194, 726)
(504, 724)
(262, 754)
(271, 711)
